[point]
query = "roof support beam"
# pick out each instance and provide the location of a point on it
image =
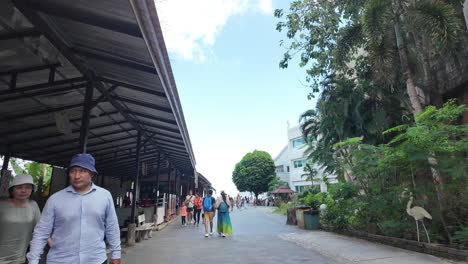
(172, 141)
(61, 158)
(37, 113)
(144, 104)
(71, 151)
(123, 167)
(42, 86)
(132, 87)
(115, 60)
(36, 139)
(29, 69)
(50, 125)
(13, 79)
(103, 97)
(123, 157)
(84, 133)
(164, 135)
(52, 74)
(31, 32)
(160, 127)
(156, 118)
(45, 92)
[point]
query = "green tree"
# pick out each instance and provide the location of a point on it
(275, 184)
(254, 172)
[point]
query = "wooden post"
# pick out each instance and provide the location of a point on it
(5, 177)
(132, 225)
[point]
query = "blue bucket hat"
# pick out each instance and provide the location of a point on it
(83, 160)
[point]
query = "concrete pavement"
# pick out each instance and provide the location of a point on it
(261, 236)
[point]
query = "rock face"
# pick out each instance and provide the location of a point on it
(291, 217)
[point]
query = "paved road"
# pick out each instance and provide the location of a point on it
(262, 237)
(255, 240)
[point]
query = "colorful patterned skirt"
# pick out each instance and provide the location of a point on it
(224, 223)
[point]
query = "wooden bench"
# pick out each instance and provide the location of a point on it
(143, 230)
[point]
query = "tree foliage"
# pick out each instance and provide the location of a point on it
(254, 172)
(378, 66)
(385, 173)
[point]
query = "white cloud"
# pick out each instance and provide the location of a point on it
(266, 6)
(190, 27)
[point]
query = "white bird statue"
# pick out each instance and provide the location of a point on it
(418, 213)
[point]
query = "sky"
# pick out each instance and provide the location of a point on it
(225, 56)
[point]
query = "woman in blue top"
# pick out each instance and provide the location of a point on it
(224, 221)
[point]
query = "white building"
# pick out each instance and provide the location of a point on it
(291, 161)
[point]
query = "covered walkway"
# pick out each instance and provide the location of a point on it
(95, 77)
(261, 236)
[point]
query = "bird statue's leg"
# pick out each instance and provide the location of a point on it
(427, 234)
(417, 229)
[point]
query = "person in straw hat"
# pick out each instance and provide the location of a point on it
(18, 216)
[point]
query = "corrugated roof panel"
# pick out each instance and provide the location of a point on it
(118, 10)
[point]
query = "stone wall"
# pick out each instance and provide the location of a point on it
(422, 247)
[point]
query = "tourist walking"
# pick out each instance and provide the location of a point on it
(197, 205)
(224, 226)
(183, 214)
(18, 216)
(238, 201)
(77, 219)
(231, 201)
(209, 203)
(189, 203)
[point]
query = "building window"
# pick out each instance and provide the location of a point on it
(299, 163)
(298, 142)
(280, 169)
(287, 168)
(300, 188)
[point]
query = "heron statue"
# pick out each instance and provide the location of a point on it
(418, 213)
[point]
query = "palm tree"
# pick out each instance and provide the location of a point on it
(435, 20)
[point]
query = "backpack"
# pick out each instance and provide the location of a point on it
(208, 204)
(223, 208)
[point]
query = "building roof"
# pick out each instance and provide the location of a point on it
(283, 189)
(53, 50)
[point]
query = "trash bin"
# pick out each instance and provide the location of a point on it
(311, 219)
(300, 215)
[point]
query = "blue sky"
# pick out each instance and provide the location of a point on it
(235, 97)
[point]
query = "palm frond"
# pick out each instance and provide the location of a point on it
(374, 19)
(440, 21)
(350, 38)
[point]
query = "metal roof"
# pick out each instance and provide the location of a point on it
(51, 50)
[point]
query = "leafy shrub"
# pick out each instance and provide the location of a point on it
(462, 236)
(315, 200)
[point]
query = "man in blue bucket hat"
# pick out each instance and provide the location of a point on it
(78, 218)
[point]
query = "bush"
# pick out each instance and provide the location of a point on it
(462, 236)
(315, 200)
(283, 208)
